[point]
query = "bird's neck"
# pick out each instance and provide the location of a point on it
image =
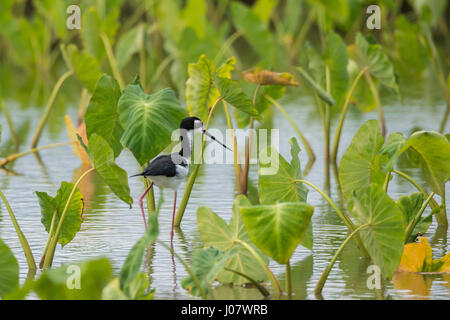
(187, 143)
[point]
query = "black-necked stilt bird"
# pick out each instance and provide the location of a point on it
(168, 171)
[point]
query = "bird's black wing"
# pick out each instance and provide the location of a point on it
(161, 166)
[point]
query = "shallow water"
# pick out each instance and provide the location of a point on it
(110, 228)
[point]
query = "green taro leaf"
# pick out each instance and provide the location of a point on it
(102, 158)
(73, 218)
(372, 55)
(412, 54)
(148, 120)
(392, 149)
(254, 30)
(433, 154)
(234, 95)
(336, 59)
(384, 237)
(216, 233)
(361, 164)
(9, 270)
(410, 206)
(277, 229)
(206, 265)
(102, 116)
(282, 186)
(85, 67)
(93, 25)
(200, 90)
(60, 283)
(128, 44)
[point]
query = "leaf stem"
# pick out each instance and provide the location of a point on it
(376, 96)
(23, 240)
(442, 216)
(341, 215)
(51, 250)
(337, 135)
(112, 60)
(193, 176)
(288, 280)
(48, 108)
(15, 156)
(50, 234)
(412, 224)
(10, 124)
(237, 166)
(311, 155)
(266, 269)
(326, 271)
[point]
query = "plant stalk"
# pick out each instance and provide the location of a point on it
(10, 123)
(16, 156)
(266, 269)
(337, 135)
(50, 234)
(48, 108)
(376, 96)
(23, 240)
(193, 176)
(112, 60)
(412, 224)
(326, 271)
(288, 280)
(311, 155)
(51, 249)
(341, 215)
(237, 166)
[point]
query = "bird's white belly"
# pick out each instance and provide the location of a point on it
(171, 182)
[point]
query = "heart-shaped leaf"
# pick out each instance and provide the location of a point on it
(234, 95)
(281, 186)
(206, 265)
(385, 235)
(372, 55)
(254, 30)
(392, 148)
(102, 159)
(277, 229)
(102, 116)
(128, 44)
(55, 205)
(148, 120)
(216, 233)
(361, 164)
(85, 67)
(432, 151)
(200, 90)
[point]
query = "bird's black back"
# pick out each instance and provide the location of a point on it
(164, 166)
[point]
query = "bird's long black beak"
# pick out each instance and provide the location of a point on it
(214, 138)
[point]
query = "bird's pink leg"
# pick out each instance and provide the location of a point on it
(173, 218)
(141, 205)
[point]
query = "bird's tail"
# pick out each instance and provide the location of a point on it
(135, 175)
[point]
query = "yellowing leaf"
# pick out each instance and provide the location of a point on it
(417, 257)
(267, 77)
(77, 149)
